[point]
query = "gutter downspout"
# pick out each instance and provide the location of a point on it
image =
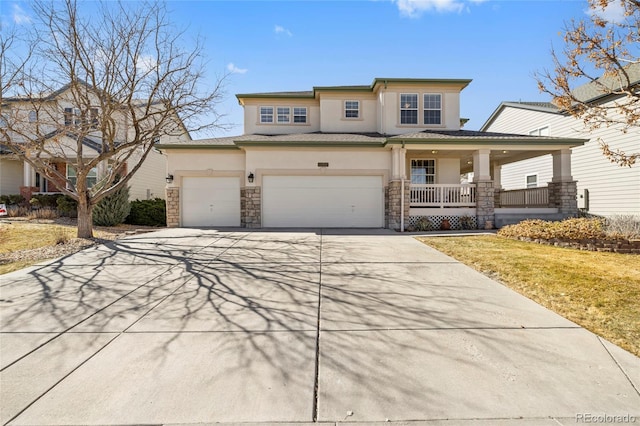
(402, 196)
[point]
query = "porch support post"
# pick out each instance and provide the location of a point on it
(497, 176)
(398, 190)
(27, 173)
(563, 190)
(485, 203)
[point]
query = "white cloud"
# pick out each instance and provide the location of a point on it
(282, 30)
(415, 8)
(20, 16)
(614, 12)
(146, 63)
(235, 70)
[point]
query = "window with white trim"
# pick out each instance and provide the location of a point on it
(284, 115)
(351, 109)
(33, 116)
(300, 115)
(432, 108)
(4, 121)
(266, 114)
(75, 117)
(423, 171)
(92, 176)
(542, 131)
(408, 108)
(531, 181)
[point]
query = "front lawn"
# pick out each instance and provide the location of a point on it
(599, 291)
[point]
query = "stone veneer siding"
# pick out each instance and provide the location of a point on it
(564, 197)
(485, 203)
(250, 207)
(173, 207)
(395, 202)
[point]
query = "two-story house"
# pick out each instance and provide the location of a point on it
(604, 188)
(380, 155)
(53, 120)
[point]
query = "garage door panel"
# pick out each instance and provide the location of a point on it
(323, 201)
(210, 201)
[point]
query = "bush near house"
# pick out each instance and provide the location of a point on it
(113, 209)
(11, 200)
(148, 213)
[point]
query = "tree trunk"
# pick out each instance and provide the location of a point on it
(85, 217)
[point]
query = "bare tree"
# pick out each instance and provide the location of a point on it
(597, 75)
(96, 90)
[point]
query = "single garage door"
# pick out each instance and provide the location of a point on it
(323, 201)
(210, 201)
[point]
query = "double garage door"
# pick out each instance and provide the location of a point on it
(288, 201)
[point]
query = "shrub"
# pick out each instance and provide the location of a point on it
(112, 209)
(46, 200)
(67, 206)
(424, 224)
(11, 200)
(43, 213)
(148, 213)
(17, 211)
(624, 226)
(569, 229)
(467, 222)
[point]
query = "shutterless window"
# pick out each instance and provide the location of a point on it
(72, 116)
(408, 108)
(266, 114)
(423, 171)
(284, 114)
(432, 108)
(300, 115)
(352, 109)
(532, 181)
(92, 176)
(33, 116)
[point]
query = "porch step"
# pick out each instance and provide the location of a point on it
(503, 219)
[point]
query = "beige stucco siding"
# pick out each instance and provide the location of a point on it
(10, 176)
(252, 123)
(333, 120)
(612, 189)
(188, 160)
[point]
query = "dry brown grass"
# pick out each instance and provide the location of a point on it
(599, 291)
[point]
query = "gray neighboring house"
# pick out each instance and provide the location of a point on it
(603, 188)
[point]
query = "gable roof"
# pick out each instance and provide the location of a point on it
(546, 107)
(312, 94)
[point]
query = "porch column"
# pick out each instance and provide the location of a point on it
(398, 199)
(497, 183)
(27, 174)
(563, 192)
(485, 202)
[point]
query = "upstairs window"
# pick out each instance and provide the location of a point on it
(408, 108)
(33, 116)
(423, 171)
(432, 104)
(284, 115)
(75, 117)
(4, 122)
(352, 109)
(266, 114)
(300, 115)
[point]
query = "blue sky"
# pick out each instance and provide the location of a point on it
(295, 45)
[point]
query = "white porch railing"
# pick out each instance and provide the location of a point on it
(530, 197)
(442, 195)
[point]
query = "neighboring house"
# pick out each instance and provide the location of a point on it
(603, 188)
(56, 115)
(380, 155)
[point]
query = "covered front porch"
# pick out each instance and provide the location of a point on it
(453, 179)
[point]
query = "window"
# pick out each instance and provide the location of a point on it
(3, 120)
(266, 114)
(423, 171)
(432, 108)
(71, 116)
(92, 177)
(408, 108)
(93, 116)
(300, 115)
(531, 181)
(33, 116)
(75, 117)
(352, 109)
(284, 115)
(542, 131)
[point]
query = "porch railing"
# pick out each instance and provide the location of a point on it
(530, 197)
(443, 195)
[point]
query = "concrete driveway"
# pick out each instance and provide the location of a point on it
(200, 326)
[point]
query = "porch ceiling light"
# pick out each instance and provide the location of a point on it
(469, 162)
(169, 178)
(504, 152)
(434, 151)
(250, 177)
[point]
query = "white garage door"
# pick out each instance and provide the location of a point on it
(210, 201)
(323, 201)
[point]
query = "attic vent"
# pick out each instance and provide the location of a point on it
(323, 164)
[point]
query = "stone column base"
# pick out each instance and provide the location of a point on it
(485, 204)
(564, 197)
(173, 207)
(395, 204)
(250, 207)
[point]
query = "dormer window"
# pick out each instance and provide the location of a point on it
(352, 109)
(408, 108)
(432, 104)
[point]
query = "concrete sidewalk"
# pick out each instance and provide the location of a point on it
(200, 326)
